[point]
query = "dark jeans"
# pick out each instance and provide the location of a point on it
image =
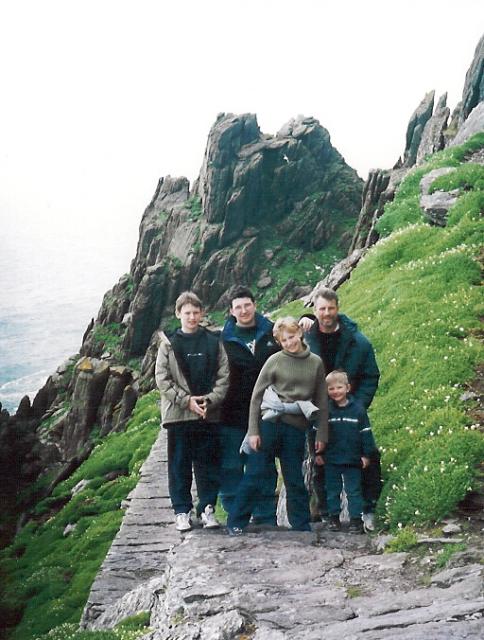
(193, 443)
(288, 444)
(334, 483)
(232, 464)
(370, 481)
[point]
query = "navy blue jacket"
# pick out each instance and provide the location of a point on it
(244, 367)
(355, 355)
(350, 435)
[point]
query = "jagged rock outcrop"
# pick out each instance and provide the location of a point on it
(435, 206)
(375, 196)
(473, 92)
(338, 274)
(416, 127)
(254, 190)
(433, 138)
(428, 131)
(473, 124)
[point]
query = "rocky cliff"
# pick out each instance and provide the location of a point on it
(266, 210)
(257, 195)
(428, 130)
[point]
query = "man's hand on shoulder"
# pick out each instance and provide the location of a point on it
(305, 323)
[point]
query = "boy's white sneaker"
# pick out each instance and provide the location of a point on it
(208, 518)
(183, 521)
(368, 521)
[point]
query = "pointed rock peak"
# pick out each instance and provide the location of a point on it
(297, 126)
(473, 92)
(416, 126)
(170, 191)
(441, 104)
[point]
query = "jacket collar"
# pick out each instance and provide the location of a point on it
(262, 325)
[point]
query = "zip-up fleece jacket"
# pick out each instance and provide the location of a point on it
(355, 355)
(350, 435)
(245, 366)
(174, 388)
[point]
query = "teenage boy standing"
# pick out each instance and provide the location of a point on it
(248, 341)
(192, 375)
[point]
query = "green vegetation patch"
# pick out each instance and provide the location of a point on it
(416, 295)
(48, 575)
(194, 205)
(405, 209)
(130, 629)
(110, 336)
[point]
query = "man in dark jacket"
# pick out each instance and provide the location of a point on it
(248, 341)
(336, 339)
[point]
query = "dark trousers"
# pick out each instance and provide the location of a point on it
(371, 482)
(232, 464)
(335, 473)
(193, 444)
(288, 444)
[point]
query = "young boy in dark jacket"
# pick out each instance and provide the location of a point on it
(192, 374)
(347, 452)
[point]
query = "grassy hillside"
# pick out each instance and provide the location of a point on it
(46, 574)
(416, 295)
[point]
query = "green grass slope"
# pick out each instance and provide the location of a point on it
(47, 575)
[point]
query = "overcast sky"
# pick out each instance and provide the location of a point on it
(102, 97)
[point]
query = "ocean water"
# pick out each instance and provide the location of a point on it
(52, 281)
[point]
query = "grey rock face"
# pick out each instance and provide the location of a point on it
(436, 206)
(473, 92)
(433, 133)
(339, 274)
(252, 187)
(374, 197)
(416, 127)
(91, 380)
(473, 124)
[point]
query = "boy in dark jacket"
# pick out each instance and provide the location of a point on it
(192, 375)
(347, 452)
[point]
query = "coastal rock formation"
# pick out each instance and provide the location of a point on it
(473, 92)
(428, 131)
(415, 128)
(433, 133)
(254, 190)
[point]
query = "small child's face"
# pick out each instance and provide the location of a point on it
(338, 391)
(189, 316)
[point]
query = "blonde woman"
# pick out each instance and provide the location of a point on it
(295, 374)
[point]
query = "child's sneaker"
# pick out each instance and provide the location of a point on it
(208, 518)
(183, 521)
(356, 526)
(234, 531)
(368, 521)
(334, 523)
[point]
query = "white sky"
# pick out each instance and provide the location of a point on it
(102, 97)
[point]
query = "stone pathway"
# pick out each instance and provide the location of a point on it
(139, 550)
(272, 584)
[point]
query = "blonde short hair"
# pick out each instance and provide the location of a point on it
(287, 323)
(337, 376)
(187, 297)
